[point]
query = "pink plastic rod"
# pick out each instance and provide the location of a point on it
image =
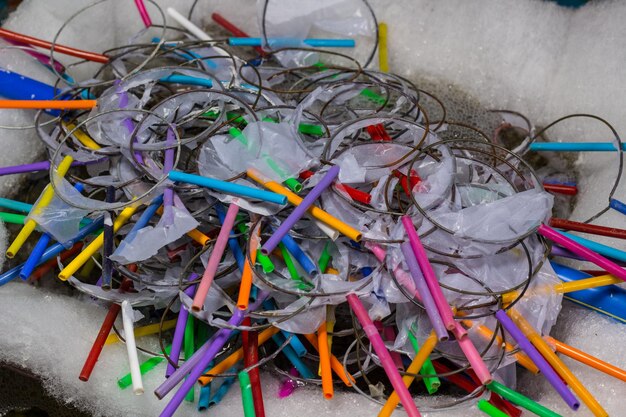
(472, 355)
(578, 249)
(383, 354)
(429, 274)
(144, 13)
(216, 256)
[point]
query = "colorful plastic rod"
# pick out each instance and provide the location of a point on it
(215, 258)
(148, 365)
(131, 347)
(16, 205)
(574, 147)
(484, 406)
(275, 42)
(579, 249)
(40, 247)
(48, 104)
(587, 359)
(42, 58)
(95, 245)
(29, 40)
(291, 355)
(250, 340)
(383, 55)
(300, 210)
(179, 331)
(412, 370)
(196, 367)
(34, 167)
(53, 251)
(541, 362)
(229, 26)
(422, 287)
(324, 352)
(556, 363)
(432, 382)
(12, 218)
(471, 353)
(145, 17)
(142, 331)
(315, 212)
(193, 29)
(617, 205)
(235, 357)
(580, 284)
(227, 187)
(609, 300)
(383, 354)
(187, 80)
(16, 86)
(488, 334)
(294, 249)
(105, 329)
(246, 394)
(233, 245)
(561, 189)
(210, 348)
(44, 200)
(587, 228)
(599, 248)
(337, 367)
(429, 274)
(521, 400)
(245, 286)
(222, 390)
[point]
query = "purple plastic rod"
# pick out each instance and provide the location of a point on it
(168, 165)
(34, 167)
(429, 274)
(424, 292)
(383, 354)
(218, 342)
(543, 365)
(190, 364)
(300, 210)
(179, 331)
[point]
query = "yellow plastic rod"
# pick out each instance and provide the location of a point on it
(45, 199)
(565, 373)
(418, 361)
(235, 357)
(82, 137)
(383, 54)
(565, 287)
(143, 331)
(95, 245)
(487, 333)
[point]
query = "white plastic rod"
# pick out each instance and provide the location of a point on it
(131, 347)
(193, 29)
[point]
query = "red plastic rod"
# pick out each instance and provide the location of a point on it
(48, 266)
(587, 228)
(561, 189)
(66, 50)
(378, 133)
(357, 195)
(229, 26)
(105, 329)
(250, 358)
